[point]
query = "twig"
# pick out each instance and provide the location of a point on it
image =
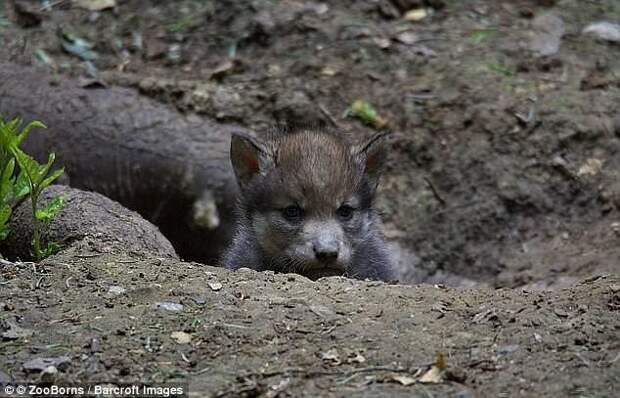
(435, 192)
(6, 262)
(312, 373)
(49, 6)
(88, 255)
(329, 116)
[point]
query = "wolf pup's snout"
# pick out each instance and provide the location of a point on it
(326, 249)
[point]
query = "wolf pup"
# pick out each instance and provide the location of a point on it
(306, 205)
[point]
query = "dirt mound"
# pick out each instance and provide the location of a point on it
(245, 333)
(87, 219)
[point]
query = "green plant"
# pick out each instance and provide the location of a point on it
(31, 179)
(365, 112)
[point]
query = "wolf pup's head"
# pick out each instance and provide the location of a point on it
(307, 195)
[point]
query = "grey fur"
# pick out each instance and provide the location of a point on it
(331, 183)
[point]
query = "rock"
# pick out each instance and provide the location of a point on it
(15, 332)
(603, 30)
(507, 349)
(181, 337)
(48, 375)
(296, 106)
(115, 291)
(168, 306)
(547, 32)
(40, 364)
(4, 379)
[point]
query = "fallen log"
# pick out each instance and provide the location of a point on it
(171, 168)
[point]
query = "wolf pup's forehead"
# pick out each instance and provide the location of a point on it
(319, 166)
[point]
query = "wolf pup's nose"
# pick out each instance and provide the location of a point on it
(326, 251)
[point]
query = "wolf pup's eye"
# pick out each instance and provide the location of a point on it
(345, 213)
(292, 213)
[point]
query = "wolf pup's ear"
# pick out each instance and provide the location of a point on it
(248, 156)
(372, 154)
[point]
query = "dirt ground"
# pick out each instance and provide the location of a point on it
(503, 180)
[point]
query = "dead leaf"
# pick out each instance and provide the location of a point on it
(95, 5)
(356, 358)
(403, 380)
(181, 337)
(416, 14)
(332, 357)
(592, 167)
(328, 71)
(408, 37)
(433, 375)
(226, 68)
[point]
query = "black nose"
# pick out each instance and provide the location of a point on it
(326, 252)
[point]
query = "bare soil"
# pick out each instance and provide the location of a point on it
(504, 177)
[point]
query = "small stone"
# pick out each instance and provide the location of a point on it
(604, 30)
(547, 32)
(116, 290)
(417, 14)
(507, 349)
(215, 286)
(181, 337)
(15, 332)
(168, 306)
(591, 167)
(560, 312)
(408, 38)
(4, 379)
(464, 394)
(48, 375)
(40, 364)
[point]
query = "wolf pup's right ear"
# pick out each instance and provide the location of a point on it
(249, 158)
(372, 154)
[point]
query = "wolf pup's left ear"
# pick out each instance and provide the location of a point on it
(248, 156)
(372, 155)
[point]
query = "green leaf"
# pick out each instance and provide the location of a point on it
(21, 187)
(22, 136)
(28, 165)
(6, 181)
(51, 248)
(48, 213)
(365, 112)
(5, 215)
(41, 170)
(478, 36)
(55, 174)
